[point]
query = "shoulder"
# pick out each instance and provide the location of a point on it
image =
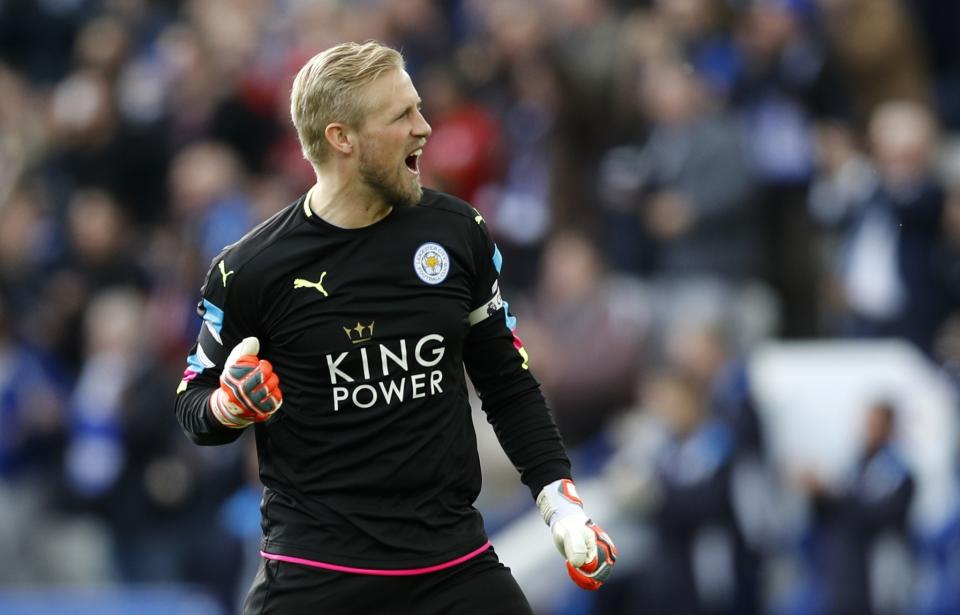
(893, 462)
(455, 213)
(459, 220)
(885, 472)
(434, 200)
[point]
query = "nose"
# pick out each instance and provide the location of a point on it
(421, 128)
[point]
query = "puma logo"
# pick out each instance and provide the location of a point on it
(318, 285)
(224, 273)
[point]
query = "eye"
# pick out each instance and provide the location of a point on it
(409, 111)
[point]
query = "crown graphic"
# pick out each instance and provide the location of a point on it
(359, 333)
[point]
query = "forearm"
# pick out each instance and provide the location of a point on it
(197, 420)
(511, 398)
(528, 435)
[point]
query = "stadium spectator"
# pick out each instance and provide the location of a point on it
(26, 247)
(891, 279)
(521, 206)
(788, 83)
(705, 351)
(849, 519)
(589, 327)
(690, 185)
(693, 502)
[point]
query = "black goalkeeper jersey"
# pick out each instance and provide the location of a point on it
(371, 461)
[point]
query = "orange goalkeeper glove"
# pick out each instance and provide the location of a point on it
(589, 551)
(249, 390)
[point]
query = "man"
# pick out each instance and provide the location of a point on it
(693, 499)
(849, 521)
(363, 301)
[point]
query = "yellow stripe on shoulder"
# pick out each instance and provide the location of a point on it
(525, 357)
(306, 202)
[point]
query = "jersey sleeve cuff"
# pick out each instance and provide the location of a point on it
(546, 473)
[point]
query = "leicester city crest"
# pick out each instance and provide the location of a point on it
(431, 263)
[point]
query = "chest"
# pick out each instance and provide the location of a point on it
(354, 301)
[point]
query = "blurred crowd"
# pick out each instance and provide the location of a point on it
(671, 183)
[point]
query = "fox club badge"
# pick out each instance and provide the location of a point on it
(432, 263)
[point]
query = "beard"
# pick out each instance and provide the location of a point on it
(390, 185)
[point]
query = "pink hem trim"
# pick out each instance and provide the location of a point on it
(375, 571)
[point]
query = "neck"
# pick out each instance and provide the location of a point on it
(346, 202)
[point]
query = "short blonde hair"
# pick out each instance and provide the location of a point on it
(324, 91)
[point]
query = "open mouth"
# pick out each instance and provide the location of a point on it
(413, 161)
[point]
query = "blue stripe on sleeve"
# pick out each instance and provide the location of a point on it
(194, 364)
(511, 319)
(213, 316)
(498, 263)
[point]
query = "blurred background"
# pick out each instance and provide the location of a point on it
(731, 233)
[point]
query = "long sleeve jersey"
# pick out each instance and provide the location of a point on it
(372, 461)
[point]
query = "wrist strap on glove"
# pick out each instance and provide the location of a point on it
(589, 552)
(557, 500)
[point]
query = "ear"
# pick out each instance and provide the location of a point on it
(339, 137)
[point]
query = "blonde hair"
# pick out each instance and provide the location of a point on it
(324, 91)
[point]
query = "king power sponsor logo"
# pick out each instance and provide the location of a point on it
(386, 374)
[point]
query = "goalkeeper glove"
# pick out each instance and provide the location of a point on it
(249, 390)
(589, 551)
